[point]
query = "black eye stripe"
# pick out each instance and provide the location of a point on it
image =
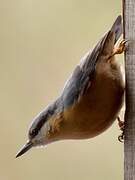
(40, 122)
(33, 133)
(42, 118)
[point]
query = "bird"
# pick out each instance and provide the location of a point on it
(91, 99)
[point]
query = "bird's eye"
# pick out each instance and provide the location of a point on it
(33, 133)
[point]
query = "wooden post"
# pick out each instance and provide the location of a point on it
(129, 143)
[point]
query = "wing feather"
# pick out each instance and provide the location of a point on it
(83, 73)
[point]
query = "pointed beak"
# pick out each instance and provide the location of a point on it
(24, 149)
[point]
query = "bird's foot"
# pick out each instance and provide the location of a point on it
(120, 49)
(121, 125)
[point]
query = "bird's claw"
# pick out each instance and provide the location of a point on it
(121, 125)
(121, 48)
(121, 138)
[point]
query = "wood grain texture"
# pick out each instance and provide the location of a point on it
(129, 144)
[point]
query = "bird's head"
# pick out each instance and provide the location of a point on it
(40, 132)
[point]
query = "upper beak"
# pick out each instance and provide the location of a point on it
(24, 149)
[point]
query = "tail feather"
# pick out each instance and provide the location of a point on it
(117, 28)
(91, 58)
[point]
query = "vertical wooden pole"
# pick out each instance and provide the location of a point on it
(129, 143)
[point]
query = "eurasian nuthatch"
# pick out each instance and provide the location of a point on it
(91, 98)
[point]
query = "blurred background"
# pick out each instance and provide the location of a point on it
(40, 44)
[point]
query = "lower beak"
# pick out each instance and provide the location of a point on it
(24, 149)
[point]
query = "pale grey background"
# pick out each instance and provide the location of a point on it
(40, 44)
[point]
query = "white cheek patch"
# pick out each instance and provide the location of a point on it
(42, 137)
(44, 130)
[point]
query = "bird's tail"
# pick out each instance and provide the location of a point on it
(117, 28)
(90, 59)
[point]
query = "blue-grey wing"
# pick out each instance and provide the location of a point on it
(83, 73)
